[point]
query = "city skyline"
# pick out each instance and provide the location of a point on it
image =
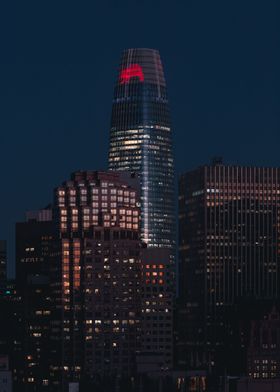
(58, 86)
(140, 140)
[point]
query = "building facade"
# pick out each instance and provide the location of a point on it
(157, 305)
(96, 278)
(263, 358)
(141, 141)
(228, 250)
(34, 240)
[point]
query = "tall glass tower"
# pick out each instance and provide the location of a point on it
(141, 141)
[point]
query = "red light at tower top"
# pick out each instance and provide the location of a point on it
(133, 71)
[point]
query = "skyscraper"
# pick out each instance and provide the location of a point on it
(95, 277)
(141, 141)
(34, 239)
(228, 249)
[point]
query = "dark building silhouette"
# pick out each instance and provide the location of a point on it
(34, 239)
(254, 346)
(10, 333)
(228, 250)
(263, 354)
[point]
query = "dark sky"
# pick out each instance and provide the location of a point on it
(58, 65)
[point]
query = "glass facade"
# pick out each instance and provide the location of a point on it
(141, 141)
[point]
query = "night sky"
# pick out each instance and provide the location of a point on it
(58, 66)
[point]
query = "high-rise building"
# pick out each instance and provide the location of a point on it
(157, 304)
(141, 141)
(95, 278)
(34, 239)
(229, 219)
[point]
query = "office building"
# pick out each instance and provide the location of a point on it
(228, 250)
(141, 141)
(157, 306)
(95, 278)
(34, 238)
